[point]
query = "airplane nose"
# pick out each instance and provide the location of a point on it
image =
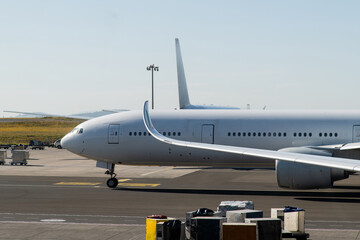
(65, 142)
(73, 143)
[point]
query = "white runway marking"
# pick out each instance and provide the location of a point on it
(157, 171)
(69, 215)
(53, 220)
(72, 223)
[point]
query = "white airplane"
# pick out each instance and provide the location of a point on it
(85, 116)
(312, 149)
(184, 100)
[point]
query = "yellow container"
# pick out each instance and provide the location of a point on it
(151, 227)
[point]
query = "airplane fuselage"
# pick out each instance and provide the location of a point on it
(122, 138)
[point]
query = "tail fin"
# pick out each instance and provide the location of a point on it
(184, 100)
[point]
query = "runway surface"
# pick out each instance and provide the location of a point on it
(41, 202)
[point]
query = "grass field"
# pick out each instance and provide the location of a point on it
(22, 130)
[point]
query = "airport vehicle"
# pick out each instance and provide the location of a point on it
(312, 149)
(57, 144)
(38, 147)
(19, 157)
(20, 162)
(3, 156)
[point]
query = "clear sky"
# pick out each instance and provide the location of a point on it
(66, 57)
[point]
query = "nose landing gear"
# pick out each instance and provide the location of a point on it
(112, 182)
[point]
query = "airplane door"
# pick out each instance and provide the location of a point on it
(356, 133)
(113, 135)
(207, 133)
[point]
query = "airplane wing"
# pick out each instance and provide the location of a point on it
(49, 115)
(332, 162)
(85, 116)
(341, 147)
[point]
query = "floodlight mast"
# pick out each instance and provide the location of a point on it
(152, 68)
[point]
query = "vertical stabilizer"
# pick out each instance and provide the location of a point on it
(184, 100)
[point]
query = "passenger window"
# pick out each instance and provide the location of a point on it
(229, 134)
(254, 134)
(305, 134)
(81, 130)
(179, 134)
(269, 134)
(234, 134)
(244, 134)
(336, 134)
(259, 134)
(279, 134)
(249, 134)
(174, 133)
(144, 133)
(320, 134)
(130, 133)
(330, 134)
(294, 134)
(264, 134)
(325, 134)
(139, 133)
(310, 134)
(299, 134)
(134, 133)
(284, 134)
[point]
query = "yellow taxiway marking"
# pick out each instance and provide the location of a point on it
(138, 184)
(77, 183)
(123, 180)
(121, 183)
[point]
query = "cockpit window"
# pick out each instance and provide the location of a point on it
(77, 131)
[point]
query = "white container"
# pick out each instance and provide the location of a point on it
(294, 221)
(225, 206)
(279, 214)
(239, 216)
(20, 157)
(3, 156)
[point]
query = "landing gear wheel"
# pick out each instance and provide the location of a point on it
(112, 182)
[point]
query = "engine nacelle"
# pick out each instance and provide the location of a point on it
(304, 176)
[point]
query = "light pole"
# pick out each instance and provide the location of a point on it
(152, 68)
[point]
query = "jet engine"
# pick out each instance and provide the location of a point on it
(304, 176)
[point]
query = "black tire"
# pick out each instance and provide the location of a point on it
(112, 182)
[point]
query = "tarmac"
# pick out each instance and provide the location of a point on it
(59, 195)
